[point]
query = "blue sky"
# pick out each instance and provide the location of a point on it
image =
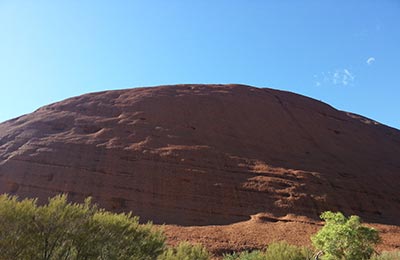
(345, 53)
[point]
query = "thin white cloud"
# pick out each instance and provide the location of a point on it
(338, 77)
(347, 77)
(370, 60)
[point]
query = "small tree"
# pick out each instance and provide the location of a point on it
(345, 238)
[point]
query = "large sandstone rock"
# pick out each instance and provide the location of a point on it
(205, 154)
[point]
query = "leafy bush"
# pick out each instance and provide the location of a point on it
(253, 255)
(345, 238)
(62, 230)
(185, 251)
(393, 255)
(274, 251)
(284, 251)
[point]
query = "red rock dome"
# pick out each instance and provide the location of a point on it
(205, 155)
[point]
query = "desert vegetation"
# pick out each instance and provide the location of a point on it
(185, 251)
(62, 230)
(345, 238)
(275, 251)
(82, 231)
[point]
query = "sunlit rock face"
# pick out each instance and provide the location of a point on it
(205, 155)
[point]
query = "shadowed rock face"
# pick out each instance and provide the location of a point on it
(205, 154)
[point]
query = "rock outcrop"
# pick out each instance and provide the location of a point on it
(205, 155)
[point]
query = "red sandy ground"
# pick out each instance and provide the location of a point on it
(252, 235)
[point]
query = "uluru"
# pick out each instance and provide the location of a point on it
(208, 159)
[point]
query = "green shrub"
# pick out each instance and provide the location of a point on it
(185, 251)
(345, 238)
(274, 251)
(253, 255)
(62, 230)
(284, 251)
(16, 222)
(387, 255)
